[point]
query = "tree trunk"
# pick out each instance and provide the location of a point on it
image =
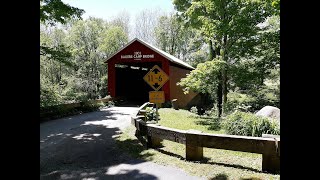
(224, 71)
(219, 96)
(224, 85)
(212, 54)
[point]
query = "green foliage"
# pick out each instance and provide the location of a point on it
(72, 59)
(113, 39)
(58, 53)
(48, 97)
(53, 11)
(181, 41)
(238, 101)
(194, 110)
(204, 78)
(211, 112)
(244, 35)
(63, 110)
(88, 106)
(151, 114)
(248, 124)
(253, 100)
(276, 5)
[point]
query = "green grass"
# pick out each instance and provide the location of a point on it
(217, 164)
(185, 120)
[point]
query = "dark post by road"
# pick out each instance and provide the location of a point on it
(157, 112)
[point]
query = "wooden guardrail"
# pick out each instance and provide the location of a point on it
(195, 141)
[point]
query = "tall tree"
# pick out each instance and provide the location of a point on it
(231, 26)
(145, 23)
(122, 20)
(92, 41)
(53, 12)
(186, 43)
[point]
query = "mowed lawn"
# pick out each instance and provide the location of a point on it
(185, 120)
(217, 164)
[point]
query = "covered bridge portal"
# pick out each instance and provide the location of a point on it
(128, 66)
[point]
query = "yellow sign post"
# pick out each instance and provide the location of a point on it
(156, 78)
(156, 96)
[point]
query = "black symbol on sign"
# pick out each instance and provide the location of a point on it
(156, 85)
(150, 78)
(155, 71)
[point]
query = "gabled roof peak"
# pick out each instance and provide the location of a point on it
(159, 51)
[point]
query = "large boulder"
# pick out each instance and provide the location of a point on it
(270, 111)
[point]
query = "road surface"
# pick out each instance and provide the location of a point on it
(84, 147)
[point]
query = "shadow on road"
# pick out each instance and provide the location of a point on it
(85, 146)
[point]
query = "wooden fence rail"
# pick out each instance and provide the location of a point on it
(195, 141)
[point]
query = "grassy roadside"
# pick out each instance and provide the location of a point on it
(185, 120)
(217, 164)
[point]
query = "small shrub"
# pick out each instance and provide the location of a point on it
(194, 110)
(151, 114)
(49, 97)
(238, 101)
(215, 124)
(88, 106)
(211, 112)
(242, 107)
(248, 124)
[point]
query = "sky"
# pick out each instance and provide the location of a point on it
(106, 9)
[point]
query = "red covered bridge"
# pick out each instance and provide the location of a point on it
(128, 66)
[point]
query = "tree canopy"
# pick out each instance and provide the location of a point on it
(53, 11)
(233, 29)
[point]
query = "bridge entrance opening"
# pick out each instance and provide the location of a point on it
(130, 85)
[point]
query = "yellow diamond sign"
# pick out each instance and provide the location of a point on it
(156, 77)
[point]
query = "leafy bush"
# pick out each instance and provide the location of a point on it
(251, 101)
(265, 96)
(211, 112)
(49, 97)
(248, 124)
(238, 101)
(151, 114)
(194, 110)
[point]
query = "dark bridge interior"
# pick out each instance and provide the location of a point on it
(130, 85)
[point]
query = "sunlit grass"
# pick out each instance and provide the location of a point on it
(185, 120)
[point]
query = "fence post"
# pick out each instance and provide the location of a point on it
(271, 157)
(193, 153)
(152, 141)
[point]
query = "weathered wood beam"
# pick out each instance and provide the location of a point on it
(232, 142)
(170, 134)
(268, 146)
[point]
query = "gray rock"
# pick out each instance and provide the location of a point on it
(270, 111)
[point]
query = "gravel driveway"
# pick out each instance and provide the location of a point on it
(84, 147)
